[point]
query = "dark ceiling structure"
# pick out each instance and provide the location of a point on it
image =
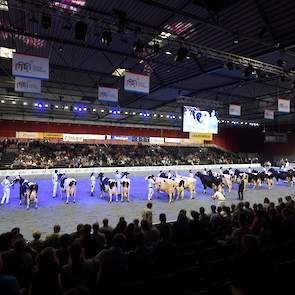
(88, 41)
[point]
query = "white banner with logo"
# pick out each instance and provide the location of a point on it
(108, 94)
(30, 66)
(156, 140)
(284, 105)
(27, 85)
(81, 137)
(137, 82)
(269, 114)
(234, 110)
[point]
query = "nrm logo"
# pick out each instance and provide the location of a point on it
(23, 66)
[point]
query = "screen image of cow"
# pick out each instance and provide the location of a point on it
(198, 121)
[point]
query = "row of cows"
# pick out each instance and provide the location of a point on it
(217, 182)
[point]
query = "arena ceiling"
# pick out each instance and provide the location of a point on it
(258, 29)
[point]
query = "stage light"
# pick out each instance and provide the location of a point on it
(155, 115)
(140, 114)
(168, 52)
(93, 110)
(25, 103)
(84, 109)
(80, 109)
(161, 116)
(66, 107)
(227, 121)
(102, 111)
(126, 113)
(118, 112)
(141, 61)
(147, 114)
(181, 54)
(35, 104)
(179, 117)
(114, 112)
(2, 101)
(46, 106)
(167, 116)
(13, 102)
(106, 37)
(134, 113)
(236, 39)
(75, 108)
(144, 115)
(56, 106)
(110, 111)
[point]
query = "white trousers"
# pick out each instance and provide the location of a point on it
(92, 186)
(118, 187)
(55, 183)
(150, 193)
(6, 195)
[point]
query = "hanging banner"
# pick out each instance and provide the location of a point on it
(27, 85)
(201, 136)
(137, 83)
(269, 114)
(30, 66)
(119, 137)
(284, 105)
(156, 140)
(108, 94)
(234, 110)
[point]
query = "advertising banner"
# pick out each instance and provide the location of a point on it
(27, 85)
(201, 136)
(137, 83)
(269, 114)
(108, 94)
(156, 140)
(30, 66)
(284, 105)
(234, 110)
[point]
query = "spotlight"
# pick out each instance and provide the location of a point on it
(84, 109)
(156, 47)
(56, 106)
(168, 52)
(2, 101)
(46, 106)
(126, 113)
(93, 110)
(80, 30)
(155, 115)
(75, 108)
(106, 37)
(181, 54)
(80, 109)
(236, 39)
(25, 103)
(134, 113)
(161, 116)
(13, 102)
(66, 107)
(179, 117)
(60, 49)
(118, 112)
(102, 111)
(138, 46)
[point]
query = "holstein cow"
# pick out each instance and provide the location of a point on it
(209, 181)
(238, 174)
(125, 187)
(183, 183)
(108, 185)
(165, 185)
(227, 180)
(70, 188)
(284, 175)
(27, 191)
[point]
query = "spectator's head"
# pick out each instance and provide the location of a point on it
(266, 201)
(255, 207)
(5, 241)
(162, 218)
(183, 211)
(105, 222)
(202, 210)
(213, 208)
(288, 198)
(271, 205)
(247, 205)
(233, 207)
(20, 245)
(15, 232)
(195, 215)
(65, 241)
(136, 222)
(95, 227)
(119, 241)
(149, 205)
(130, 228)
(47, 260)
(56, 228)
(260, 207)
(55, 171)
(87, 230)
(280, 200)
(76, 252)
(36, 235)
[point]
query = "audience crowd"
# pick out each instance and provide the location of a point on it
(231, 250)
(42, 154)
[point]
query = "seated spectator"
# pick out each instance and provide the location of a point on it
(106, 230)
(52, 240)
(46, 278)
(163, 223)
(78, 273)
(36, 244)
(77, 233)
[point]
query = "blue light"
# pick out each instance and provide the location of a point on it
(40, 105)
(114, 112)
(80, 109)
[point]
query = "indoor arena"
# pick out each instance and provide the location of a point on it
(147, 146)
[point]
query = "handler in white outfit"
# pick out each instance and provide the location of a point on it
(118, 177)
(6, 184)
(92, 183)
(191, 174)
(151, 184)
(54, 179)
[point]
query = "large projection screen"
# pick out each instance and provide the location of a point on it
(198, 121)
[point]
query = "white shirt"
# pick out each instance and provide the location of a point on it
(249, 170)
(205, 172)
(92, 179)
(118, 177)
(191, 174)
(151, 182)
(54, 177)
(6, 184)
(169, 174)
(287, 164)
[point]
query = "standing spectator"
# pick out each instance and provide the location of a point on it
(98, 236)
(107, 230)
(52, 240)
(36, 244)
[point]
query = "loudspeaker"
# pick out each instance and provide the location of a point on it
(80, 31)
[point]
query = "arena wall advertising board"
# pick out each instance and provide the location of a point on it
(134, 169)
(136, 83)
(30, 66)
(198, 121)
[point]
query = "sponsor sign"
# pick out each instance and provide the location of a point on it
(29, 135)
(116, 137)
(30, 66)
(234, 110)
(137, 83)
(108, 94)
(284, 105)
(81, 137)
(156, 140)
(269, 114)
(201, 136)
(27, 85)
